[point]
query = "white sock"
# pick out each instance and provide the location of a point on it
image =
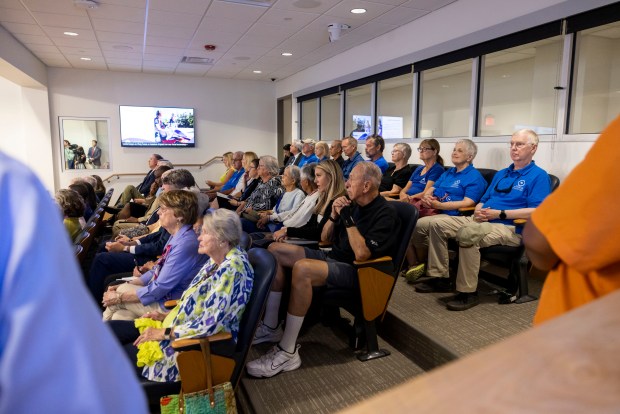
(293, 326)
(271, 309)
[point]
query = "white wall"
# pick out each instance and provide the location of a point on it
(230, 115)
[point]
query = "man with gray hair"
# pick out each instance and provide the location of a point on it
(513, 194)
(307, 153)
(295, 157)
(361, 227)
(349, 147)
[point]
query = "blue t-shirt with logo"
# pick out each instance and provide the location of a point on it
(418, 181)
(455, 186)
(233, 180)
(513, 189)
(382, 164)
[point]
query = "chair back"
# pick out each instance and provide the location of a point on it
(554, 182)
(84, 240)
(246, 241)
(408, 216)
(487, 174)
(264, 265)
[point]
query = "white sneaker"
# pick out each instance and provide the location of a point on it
(274, 362)
(267, 334)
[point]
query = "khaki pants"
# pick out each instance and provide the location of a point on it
(128, 311)
(130, 192)
(419, 239)
(469, 257)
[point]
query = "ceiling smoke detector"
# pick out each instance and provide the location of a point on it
(85, 4)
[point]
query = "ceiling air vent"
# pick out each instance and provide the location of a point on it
(260, 3)
(197, 60)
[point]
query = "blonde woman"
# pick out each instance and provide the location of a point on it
(321, 150)
(227, 159)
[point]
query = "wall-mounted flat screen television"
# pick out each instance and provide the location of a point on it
(153, 126)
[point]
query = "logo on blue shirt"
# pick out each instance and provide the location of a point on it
(456, 184)
(519, 186)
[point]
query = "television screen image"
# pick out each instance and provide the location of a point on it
(362, 127)
(151, 126)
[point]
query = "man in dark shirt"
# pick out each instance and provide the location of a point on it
(335, 151)
(361, 228)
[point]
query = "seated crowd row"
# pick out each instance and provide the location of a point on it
(164, 249)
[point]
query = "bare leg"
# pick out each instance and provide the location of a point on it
(286, 255)
(307, 273)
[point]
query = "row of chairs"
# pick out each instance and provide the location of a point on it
(93, 228)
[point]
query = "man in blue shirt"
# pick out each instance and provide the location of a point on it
(229, 186)
(349, 147)
(307, 153)
(514, 193)
(374, 150)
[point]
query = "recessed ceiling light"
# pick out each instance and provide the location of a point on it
(257, 71)
(85, 58)
(70, 34)
(358, 11)
(287, 54)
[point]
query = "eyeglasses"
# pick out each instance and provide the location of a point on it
(422, 149)
(518, 145)
(508, 189)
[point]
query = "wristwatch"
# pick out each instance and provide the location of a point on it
(502, 215)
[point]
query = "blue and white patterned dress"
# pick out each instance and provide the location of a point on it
(214, 302)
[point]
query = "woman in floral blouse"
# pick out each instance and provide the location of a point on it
(215, 299)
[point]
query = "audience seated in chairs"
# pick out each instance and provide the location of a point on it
(335, 152)
(307, 153)
(87, 192)
(374, 150)
(288, 201)
(100, 189)
(396, 177)
(124, 254)
(173, 271)
(248, 157)
(251, 181)
(328, 179)
(459, 187)
(72, 207)
(321, 150)
(514, 193)
(293, 218)
(425, 175)
(361, 227)
(214, 301)
(268, 190)
(229, 185)
(349, 147)
(142, 189)
(227, 159)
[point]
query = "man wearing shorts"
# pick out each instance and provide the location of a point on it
(361, 227)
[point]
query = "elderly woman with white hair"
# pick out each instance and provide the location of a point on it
(214, 301)
(459, 187)
(267, 192)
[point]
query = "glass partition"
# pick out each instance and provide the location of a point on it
(309, 119)
(394, 103)
(358, 115)
(84, 143)
(330, 117)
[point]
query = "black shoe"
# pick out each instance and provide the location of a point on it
(436, 284)
(463, 301)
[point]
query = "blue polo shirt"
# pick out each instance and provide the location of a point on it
(307, 160)
(418, 181)
(348, 165)
(455, 186)
(382, 164)
(233, 180)
(513, 189)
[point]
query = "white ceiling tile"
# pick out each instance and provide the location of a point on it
(59, 7)
(43, 49)
(12, 4)
(164, 58)
(74, 42)
(121, 13)
(62, 20)
(170, 51)
(15, 16)
(89, 65)
(158, 63)
(166, 42)
(235, 11)
(241, 50)
(89, 52)
(117, 54)
(429, 5)
(343, 10)
(184, 6)
(392, 2)
(57, 63)
(162, 71)
(173, 31)
(128, 3)
(287, 18)
(23, 28)
(125, 68)
(120, 38)
(400, 16)
(58, 32)
(173, 18)
(125, 62)
(311, 6)
(118, 26)
(37, 40)
(211, 25)
(50, 55)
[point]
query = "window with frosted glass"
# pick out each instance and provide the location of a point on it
(309, 118)
(394, 107)
(596, 79)
(330, 117)
(517, 87)
(358, 115)
(445, 95)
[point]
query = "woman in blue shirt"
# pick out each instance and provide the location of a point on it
(459, 187)
(425, 175)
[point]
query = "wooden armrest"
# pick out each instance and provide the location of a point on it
(179, 344)
(169, 304)
(372, 261)
(325, 244)
(519, 222)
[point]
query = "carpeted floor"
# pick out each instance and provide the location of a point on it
(330, 377)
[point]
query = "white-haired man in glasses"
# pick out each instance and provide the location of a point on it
(513, 194)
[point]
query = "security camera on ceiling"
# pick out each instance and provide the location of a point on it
(335, 30)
